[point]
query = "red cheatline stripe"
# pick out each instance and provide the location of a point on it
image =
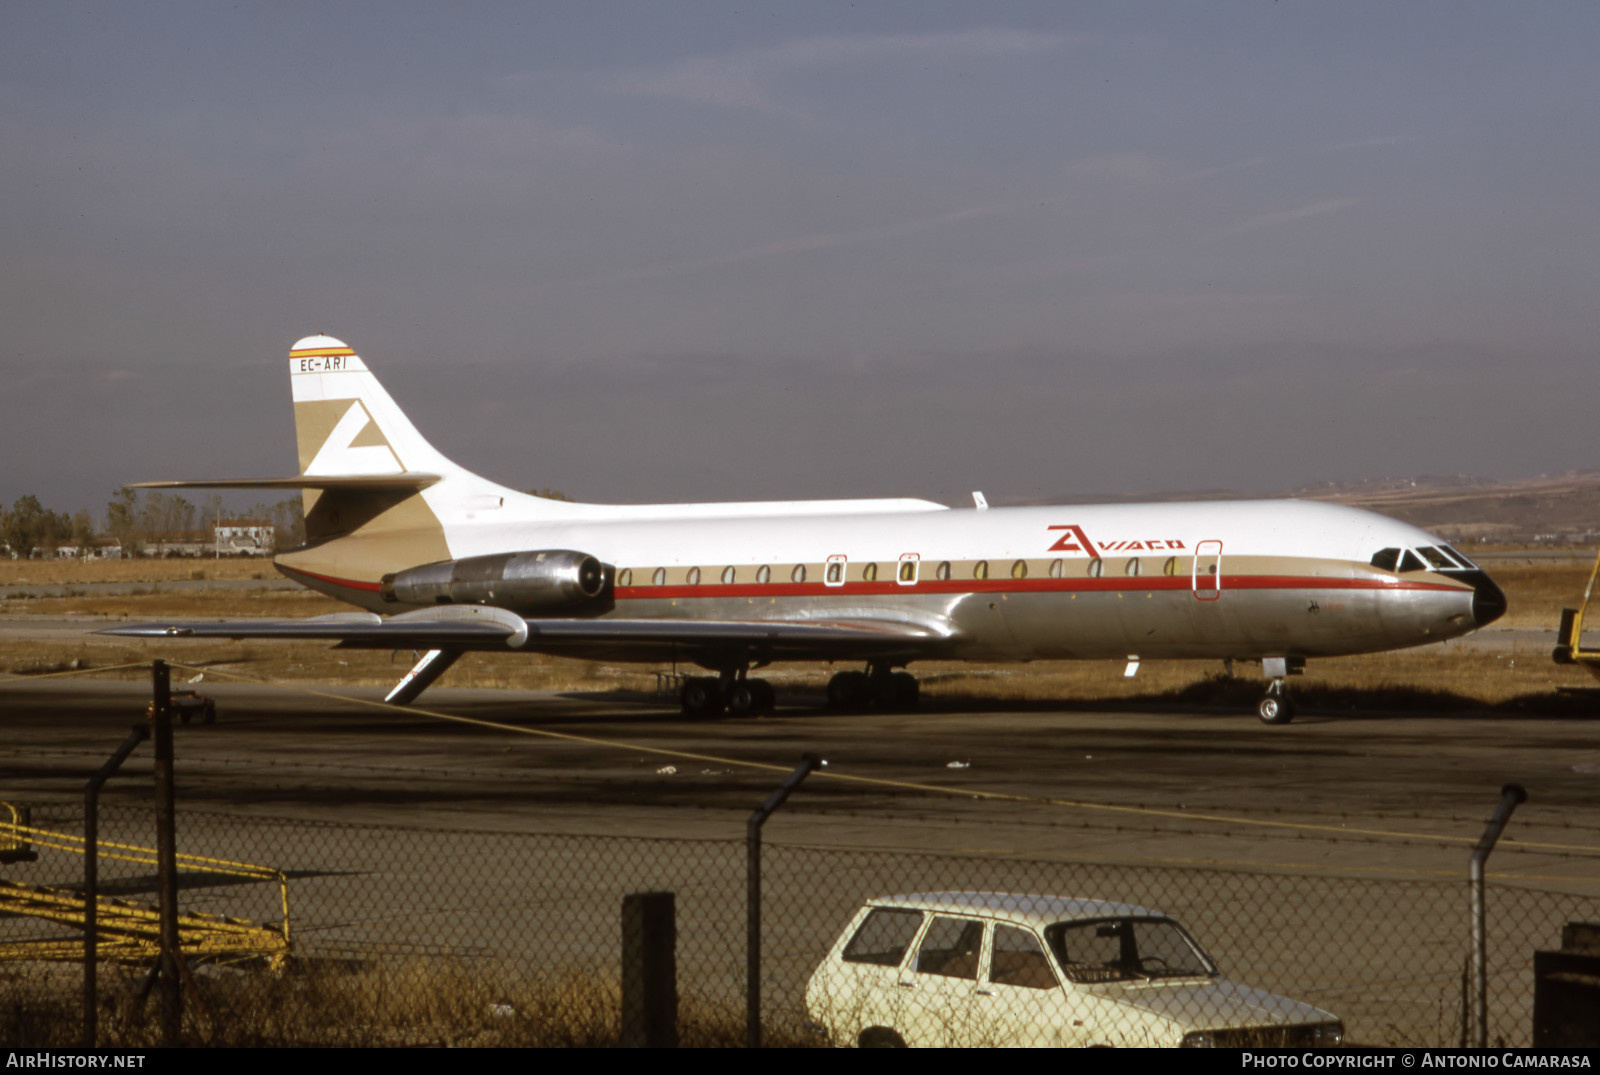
(373, 587)
(318, 352)
(1045, 585)
(1134, 584)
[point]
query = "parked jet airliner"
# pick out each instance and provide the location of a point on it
(443, 561)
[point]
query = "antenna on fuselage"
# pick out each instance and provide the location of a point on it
(978, 501)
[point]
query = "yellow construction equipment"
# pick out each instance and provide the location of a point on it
(1569, 637)
(128, 931)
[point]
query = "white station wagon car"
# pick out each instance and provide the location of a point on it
(997, 968)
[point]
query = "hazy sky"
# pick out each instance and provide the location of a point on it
(675, 251)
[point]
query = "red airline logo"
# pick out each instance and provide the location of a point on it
(1066, 544)
(1075, 540)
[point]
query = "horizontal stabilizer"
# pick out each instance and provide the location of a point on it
(404, 480)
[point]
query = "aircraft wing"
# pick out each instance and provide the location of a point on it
(478, 627)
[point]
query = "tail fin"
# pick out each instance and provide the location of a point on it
(346, 424)
(365, 464)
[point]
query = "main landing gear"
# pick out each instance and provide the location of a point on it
(1276, 707)
(878, 686)
(734, 693)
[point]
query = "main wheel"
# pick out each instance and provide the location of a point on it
(849, 690)
(898, 690)
(1275, 709)
(701, 697)
(741, 699)
(766, 699)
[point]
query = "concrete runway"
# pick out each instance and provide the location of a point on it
(1379, 794)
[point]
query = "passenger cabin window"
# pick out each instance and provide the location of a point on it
(980, 570)
(1170, 567)
(1131, 568)
(835, 572)
(943, 574)
(869, 573)
(798, 574)
(764, 574)
(693, 578)
(1056, 568)
(1019, 570)
(728, 575)
(1096, 568)
(625, 577)
(659, 578)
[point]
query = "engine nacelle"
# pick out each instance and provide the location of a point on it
(541, 580)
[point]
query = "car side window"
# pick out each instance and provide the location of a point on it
(1018, 960)
(883, 937)
(950, 948)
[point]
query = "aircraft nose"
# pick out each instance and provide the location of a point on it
(1488, 600)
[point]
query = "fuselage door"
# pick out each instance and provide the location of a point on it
(1207, 576)
(834, 574)
(910, 564)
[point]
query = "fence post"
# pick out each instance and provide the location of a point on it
(1510, 796)
(91, 880)
(752, 969)
(166, 857)
(649, 971)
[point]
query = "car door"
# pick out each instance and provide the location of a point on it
(940, 984)
(1019, 1001)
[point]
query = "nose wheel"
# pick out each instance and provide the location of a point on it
(1276, 707)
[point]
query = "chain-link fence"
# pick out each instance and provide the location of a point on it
(409, 937)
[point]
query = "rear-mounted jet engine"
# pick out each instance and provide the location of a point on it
(541, 580)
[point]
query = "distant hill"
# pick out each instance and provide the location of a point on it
(1549, 509)
(1552, 508)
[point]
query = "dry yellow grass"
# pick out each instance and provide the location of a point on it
(421, 1002)
(71, 572)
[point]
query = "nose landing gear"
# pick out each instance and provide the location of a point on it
(1276, 707)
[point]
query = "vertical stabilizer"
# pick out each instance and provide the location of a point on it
(345, 423)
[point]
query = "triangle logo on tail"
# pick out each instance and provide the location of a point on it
(355, 445)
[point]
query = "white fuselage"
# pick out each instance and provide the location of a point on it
(1208, 579)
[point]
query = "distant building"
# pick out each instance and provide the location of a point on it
(245, 537)
(179, 543)
(111, 550)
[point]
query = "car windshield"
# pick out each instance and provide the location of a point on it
(1127, 949)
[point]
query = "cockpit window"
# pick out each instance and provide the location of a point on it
(1412, 562)
(1386, 559)
(1437, 558)
(1456, 553)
